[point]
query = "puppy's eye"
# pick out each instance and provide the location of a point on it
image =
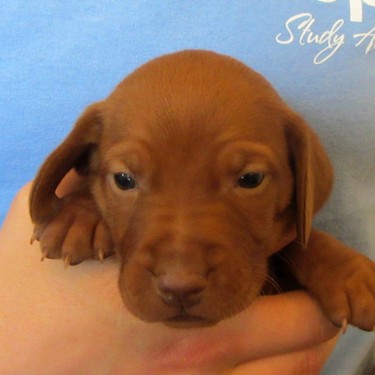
(124, 181)
(250, 180)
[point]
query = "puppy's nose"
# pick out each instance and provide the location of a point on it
(181, 290)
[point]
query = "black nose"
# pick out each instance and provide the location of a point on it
(180, 290)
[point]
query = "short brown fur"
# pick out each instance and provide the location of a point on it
(194, 244)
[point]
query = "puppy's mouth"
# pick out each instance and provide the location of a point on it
(185, 320)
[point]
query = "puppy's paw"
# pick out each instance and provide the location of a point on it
(78, 232)
(346, 292)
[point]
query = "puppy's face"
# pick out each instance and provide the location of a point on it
(201, 173)
(196, 185)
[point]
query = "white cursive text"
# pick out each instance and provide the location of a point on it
(299, 27)
(366, 37)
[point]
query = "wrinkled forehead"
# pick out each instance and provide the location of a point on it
(202, 148)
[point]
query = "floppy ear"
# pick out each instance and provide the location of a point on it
(313, 174)
(44, 203)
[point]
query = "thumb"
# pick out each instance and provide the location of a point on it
(275, 325)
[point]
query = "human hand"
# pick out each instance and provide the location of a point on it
(73, 321)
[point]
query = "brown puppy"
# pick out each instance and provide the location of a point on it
(196, 174)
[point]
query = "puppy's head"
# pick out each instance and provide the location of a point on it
(201, 172)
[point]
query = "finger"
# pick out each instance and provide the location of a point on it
(271, 326)
(310, 361)
(17, 215)
(69, 183)
(275, 325)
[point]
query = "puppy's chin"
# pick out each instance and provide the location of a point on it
(196, 317)
(170, 317)
(143, 301)
(189, 321)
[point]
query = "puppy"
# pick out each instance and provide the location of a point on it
(198, 176)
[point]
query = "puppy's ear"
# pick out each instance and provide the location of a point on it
(313, 174)
(72, 153)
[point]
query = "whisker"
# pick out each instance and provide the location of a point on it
(270, 285)
(285, 258)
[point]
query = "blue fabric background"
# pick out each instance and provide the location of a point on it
(57, 57)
